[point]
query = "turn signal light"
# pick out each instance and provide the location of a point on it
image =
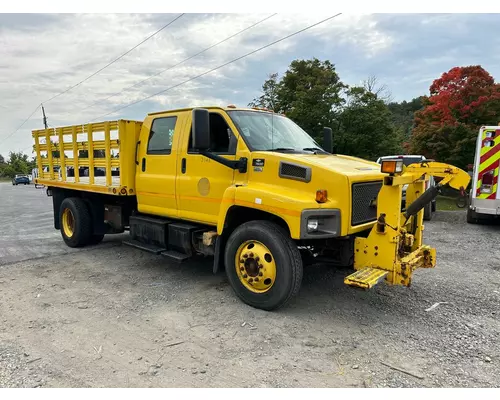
(321, 196)
(392, 167)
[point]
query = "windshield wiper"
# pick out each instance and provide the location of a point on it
(314, 149)
(282, 149)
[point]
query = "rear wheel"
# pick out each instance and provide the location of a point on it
(75, 222)
(263, 265)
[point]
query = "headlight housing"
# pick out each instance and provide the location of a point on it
(320, 223)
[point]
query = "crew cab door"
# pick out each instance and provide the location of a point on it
(157, 158)
(201, 182)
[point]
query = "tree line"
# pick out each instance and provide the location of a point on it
(366, 122)
(17, 163)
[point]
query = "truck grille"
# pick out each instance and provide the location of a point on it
(363, 194)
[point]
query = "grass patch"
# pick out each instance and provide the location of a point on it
(5, 179)
(445, 203)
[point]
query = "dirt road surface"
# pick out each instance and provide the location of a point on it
(112, 316)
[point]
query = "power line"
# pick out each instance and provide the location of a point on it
(20, 126)
(95, 73)
(181, 62)
(218, 67)
(115, 60)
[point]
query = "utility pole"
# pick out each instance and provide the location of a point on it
(44, 118)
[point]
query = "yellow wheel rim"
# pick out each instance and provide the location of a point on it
(68, 222)
(255, 266)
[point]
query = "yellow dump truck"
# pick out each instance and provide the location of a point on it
(246, 186)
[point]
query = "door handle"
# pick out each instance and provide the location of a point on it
(137, 152)
(143, 164)
(183, 166)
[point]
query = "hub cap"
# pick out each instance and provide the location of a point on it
(255, 266)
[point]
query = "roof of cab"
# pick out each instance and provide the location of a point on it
(228, 108)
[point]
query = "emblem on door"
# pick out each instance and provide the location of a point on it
(204, 186)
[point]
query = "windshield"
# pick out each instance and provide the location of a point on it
(267, 131)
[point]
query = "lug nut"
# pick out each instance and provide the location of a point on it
(261, 266)
(242, 261)
(242, 268)
(245, 276)
(257, 258)
(261, 274)
(245, 255)
(256, 279)
(251, 255)
(250, 280)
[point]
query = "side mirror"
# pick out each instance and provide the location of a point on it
(328, 140)
(201, 129)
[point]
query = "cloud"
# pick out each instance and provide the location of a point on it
(43, 55)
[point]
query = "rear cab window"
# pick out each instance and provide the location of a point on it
(161, 135)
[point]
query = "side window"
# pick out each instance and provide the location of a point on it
(220, 140)
(161, 135)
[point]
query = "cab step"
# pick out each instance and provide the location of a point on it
(175, 256)
(366, 278)
(151, 248)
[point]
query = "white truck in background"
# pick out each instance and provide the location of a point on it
(484, 199)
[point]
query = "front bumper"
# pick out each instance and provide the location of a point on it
(485, 206)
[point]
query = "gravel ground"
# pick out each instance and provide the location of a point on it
(112, 316)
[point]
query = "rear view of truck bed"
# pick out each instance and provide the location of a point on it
(97, 157)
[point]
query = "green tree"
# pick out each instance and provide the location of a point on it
(269, 98)
(18, 163)
(403, 115)
(364, 127)
(312, 95)
(309, 93)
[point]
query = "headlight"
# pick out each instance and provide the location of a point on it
(312, 225)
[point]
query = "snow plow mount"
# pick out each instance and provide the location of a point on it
(394, 244)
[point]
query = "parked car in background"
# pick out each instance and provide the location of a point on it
(21, 180)
(407, 160)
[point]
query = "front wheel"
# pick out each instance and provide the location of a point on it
(263, 265)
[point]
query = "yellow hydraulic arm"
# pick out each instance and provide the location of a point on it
(394, 248)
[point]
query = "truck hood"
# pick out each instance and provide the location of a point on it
(352, 167)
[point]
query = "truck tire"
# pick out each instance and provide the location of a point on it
(472, 217)
(263, 265)
(428, 211)
(96, 239)
(75, 222)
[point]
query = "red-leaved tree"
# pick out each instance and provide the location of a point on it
(460, 101)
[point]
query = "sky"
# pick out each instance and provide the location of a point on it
(42, 55)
